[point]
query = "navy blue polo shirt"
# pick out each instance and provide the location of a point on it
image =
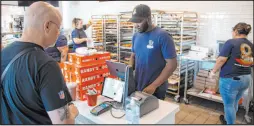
(151, 49)
(240, 57)
(32, 86)
(79, 33)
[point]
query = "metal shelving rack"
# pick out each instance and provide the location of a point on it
(182, 26)
(98, 31)
(111, 35)
(127, 30)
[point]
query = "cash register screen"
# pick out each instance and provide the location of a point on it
(113, 89)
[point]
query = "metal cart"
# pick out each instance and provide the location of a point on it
(192, 91)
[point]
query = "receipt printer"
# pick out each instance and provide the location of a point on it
(146, 102)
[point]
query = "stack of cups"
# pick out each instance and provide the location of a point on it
(72, 89)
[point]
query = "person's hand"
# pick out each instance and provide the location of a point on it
(90, 22)
(73, 111)
(212, 75)
(150, 89)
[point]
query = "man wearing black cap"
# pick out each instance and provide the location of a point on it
(153, 52)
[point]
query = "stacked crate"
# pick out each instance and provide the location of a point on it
(86, 71)
(203, 82)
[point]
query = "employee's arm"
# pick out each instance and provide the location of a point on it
(132, 60)
(79, 40)
(223, 56)
(64, 51)
(219, 63)
(166, 72)
(87, 26)
(64, 115)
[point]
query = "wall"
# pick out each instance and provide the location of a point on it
(216, 17)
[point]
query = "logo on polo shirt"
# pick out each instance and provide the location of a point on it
(150, 44)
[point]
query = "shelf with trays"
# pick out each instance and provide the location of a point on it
(97, 28)
(182, 26)
(126, 32)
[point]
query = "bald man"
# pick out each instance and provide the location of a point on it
(33, 90)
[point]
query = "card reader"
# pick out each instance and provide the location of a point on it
(101, 108)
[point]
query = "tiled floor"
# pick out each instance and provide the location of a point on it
(201, 111)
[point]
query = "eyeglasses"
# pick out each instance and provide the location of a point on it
(58, 27)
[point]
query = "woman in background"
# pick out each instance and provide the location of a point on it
(78, 35)
(235, 61)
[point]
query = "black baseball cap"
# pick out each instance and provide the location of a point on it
(140, 13)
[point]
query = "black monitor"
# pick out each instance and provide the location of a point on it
(220, 45)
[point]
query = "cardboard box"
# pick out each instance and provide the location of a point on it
(199, 86)
(88, 69)
(84, 60)
(200, 81)
(96, 76)
(71, 57)
(202, 75)
(211, 80)
(103, 56)
(210, 83)
(204, 71)
(68, 66)
(200, 78)
(82, 89)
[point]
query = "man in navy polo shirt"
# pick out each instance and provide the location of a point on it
(153, 53)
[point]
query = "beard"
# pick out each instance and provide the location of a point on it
(146, 24)
(143, 27)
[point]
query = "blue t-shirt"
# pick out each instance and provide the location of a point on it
(78, 33)
(240, 57)
(151, 49)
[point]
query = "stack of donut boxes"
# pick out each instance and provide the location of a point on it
(87, 72)
(203, 82)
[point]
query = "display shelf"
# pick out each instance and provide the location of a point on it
(182, 26)
(198, 93)
(97, 28)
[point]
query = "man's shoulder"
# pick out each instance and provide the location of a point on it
(161, 31)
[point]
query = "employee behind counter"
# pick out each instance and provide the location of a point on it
(78, 35)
